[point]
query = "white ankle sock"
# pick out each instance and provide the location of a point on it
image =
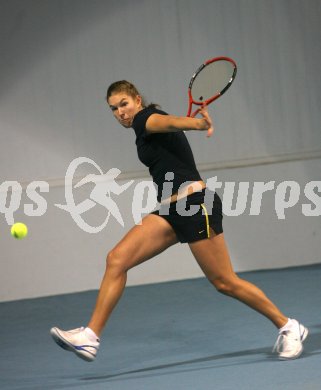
(287, 326)
(91, 334)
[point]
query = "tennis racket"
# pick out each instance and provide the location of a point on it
(211, 80)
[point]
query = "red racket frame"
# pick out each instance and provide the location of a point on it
(210, 100)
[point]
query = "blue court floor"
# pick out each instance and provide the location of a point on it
(170, 336)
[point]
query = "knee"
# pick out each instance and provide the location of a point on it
(225, 286)
(116, 261)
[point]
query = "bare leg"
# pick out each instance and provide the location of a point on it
(213, 257)
(141, 243)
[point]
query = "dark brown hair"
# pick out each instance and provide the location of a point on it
(128, 88)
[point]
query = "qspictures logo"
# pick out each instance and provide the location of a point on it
(236, 198)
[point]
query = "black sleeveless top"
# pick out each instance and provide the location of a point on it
(168, 156)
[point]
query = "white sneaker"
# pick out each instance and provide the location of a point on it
(289, 344)
(77, 341)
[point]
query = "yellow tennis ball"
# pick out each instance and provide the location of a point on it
(19, 230)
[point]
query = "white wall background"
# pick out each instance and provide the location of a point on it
(57, 59)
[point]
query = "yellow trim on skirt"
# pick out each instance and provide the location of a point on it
(207, 221)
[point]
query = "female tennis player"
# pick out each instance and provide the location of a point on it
(163, 147)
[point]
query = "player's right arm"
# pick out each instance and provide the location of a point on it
(158, 123)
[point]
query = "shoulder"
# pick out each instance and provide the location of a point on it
(145, 113)
(140, 119)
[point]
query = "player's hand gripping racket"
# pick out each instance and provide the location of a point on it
(209, 82)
